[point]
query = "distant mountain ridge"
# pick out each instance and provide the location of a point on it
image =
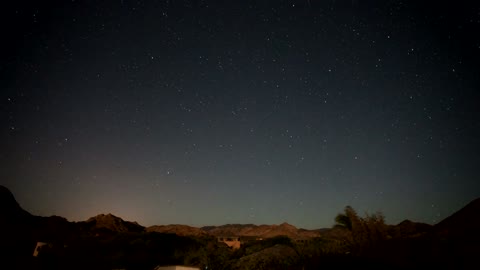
(14, 212)
(116, 241)
(464, 222)
(177, 229)
(263, 231)
(113, 223)
(408, 228)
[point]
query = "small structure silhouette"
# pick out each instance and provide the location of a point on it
(231, 241)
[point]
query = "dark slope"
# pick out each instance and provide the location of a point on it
(15, 229)
(464, 223)
(10, 211)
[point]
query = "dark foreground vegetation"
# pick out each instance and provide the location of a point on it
(354, 241)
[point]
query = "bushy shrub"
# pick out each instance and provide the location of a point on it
(365, 231)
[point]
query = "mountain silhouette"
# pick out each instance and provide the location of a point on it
(262, 231)
(10, 211)
(182, 230)
(113, 223)
(106, 238)
(464, 223)
(16, 231)
(408, 228)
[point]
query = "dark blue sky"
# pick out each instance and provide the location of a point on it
(206, 113)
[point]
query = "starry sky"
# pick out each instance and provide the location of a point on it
(214, 112)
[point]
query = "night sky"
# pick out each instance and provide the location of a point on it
(214, 112)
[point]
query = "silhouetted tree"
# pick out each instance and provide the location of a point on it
(364, 232)
(345, 219)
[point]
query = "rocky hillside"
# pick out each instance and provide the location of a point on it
(263, 231)
(113, 223)
(182, 230)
